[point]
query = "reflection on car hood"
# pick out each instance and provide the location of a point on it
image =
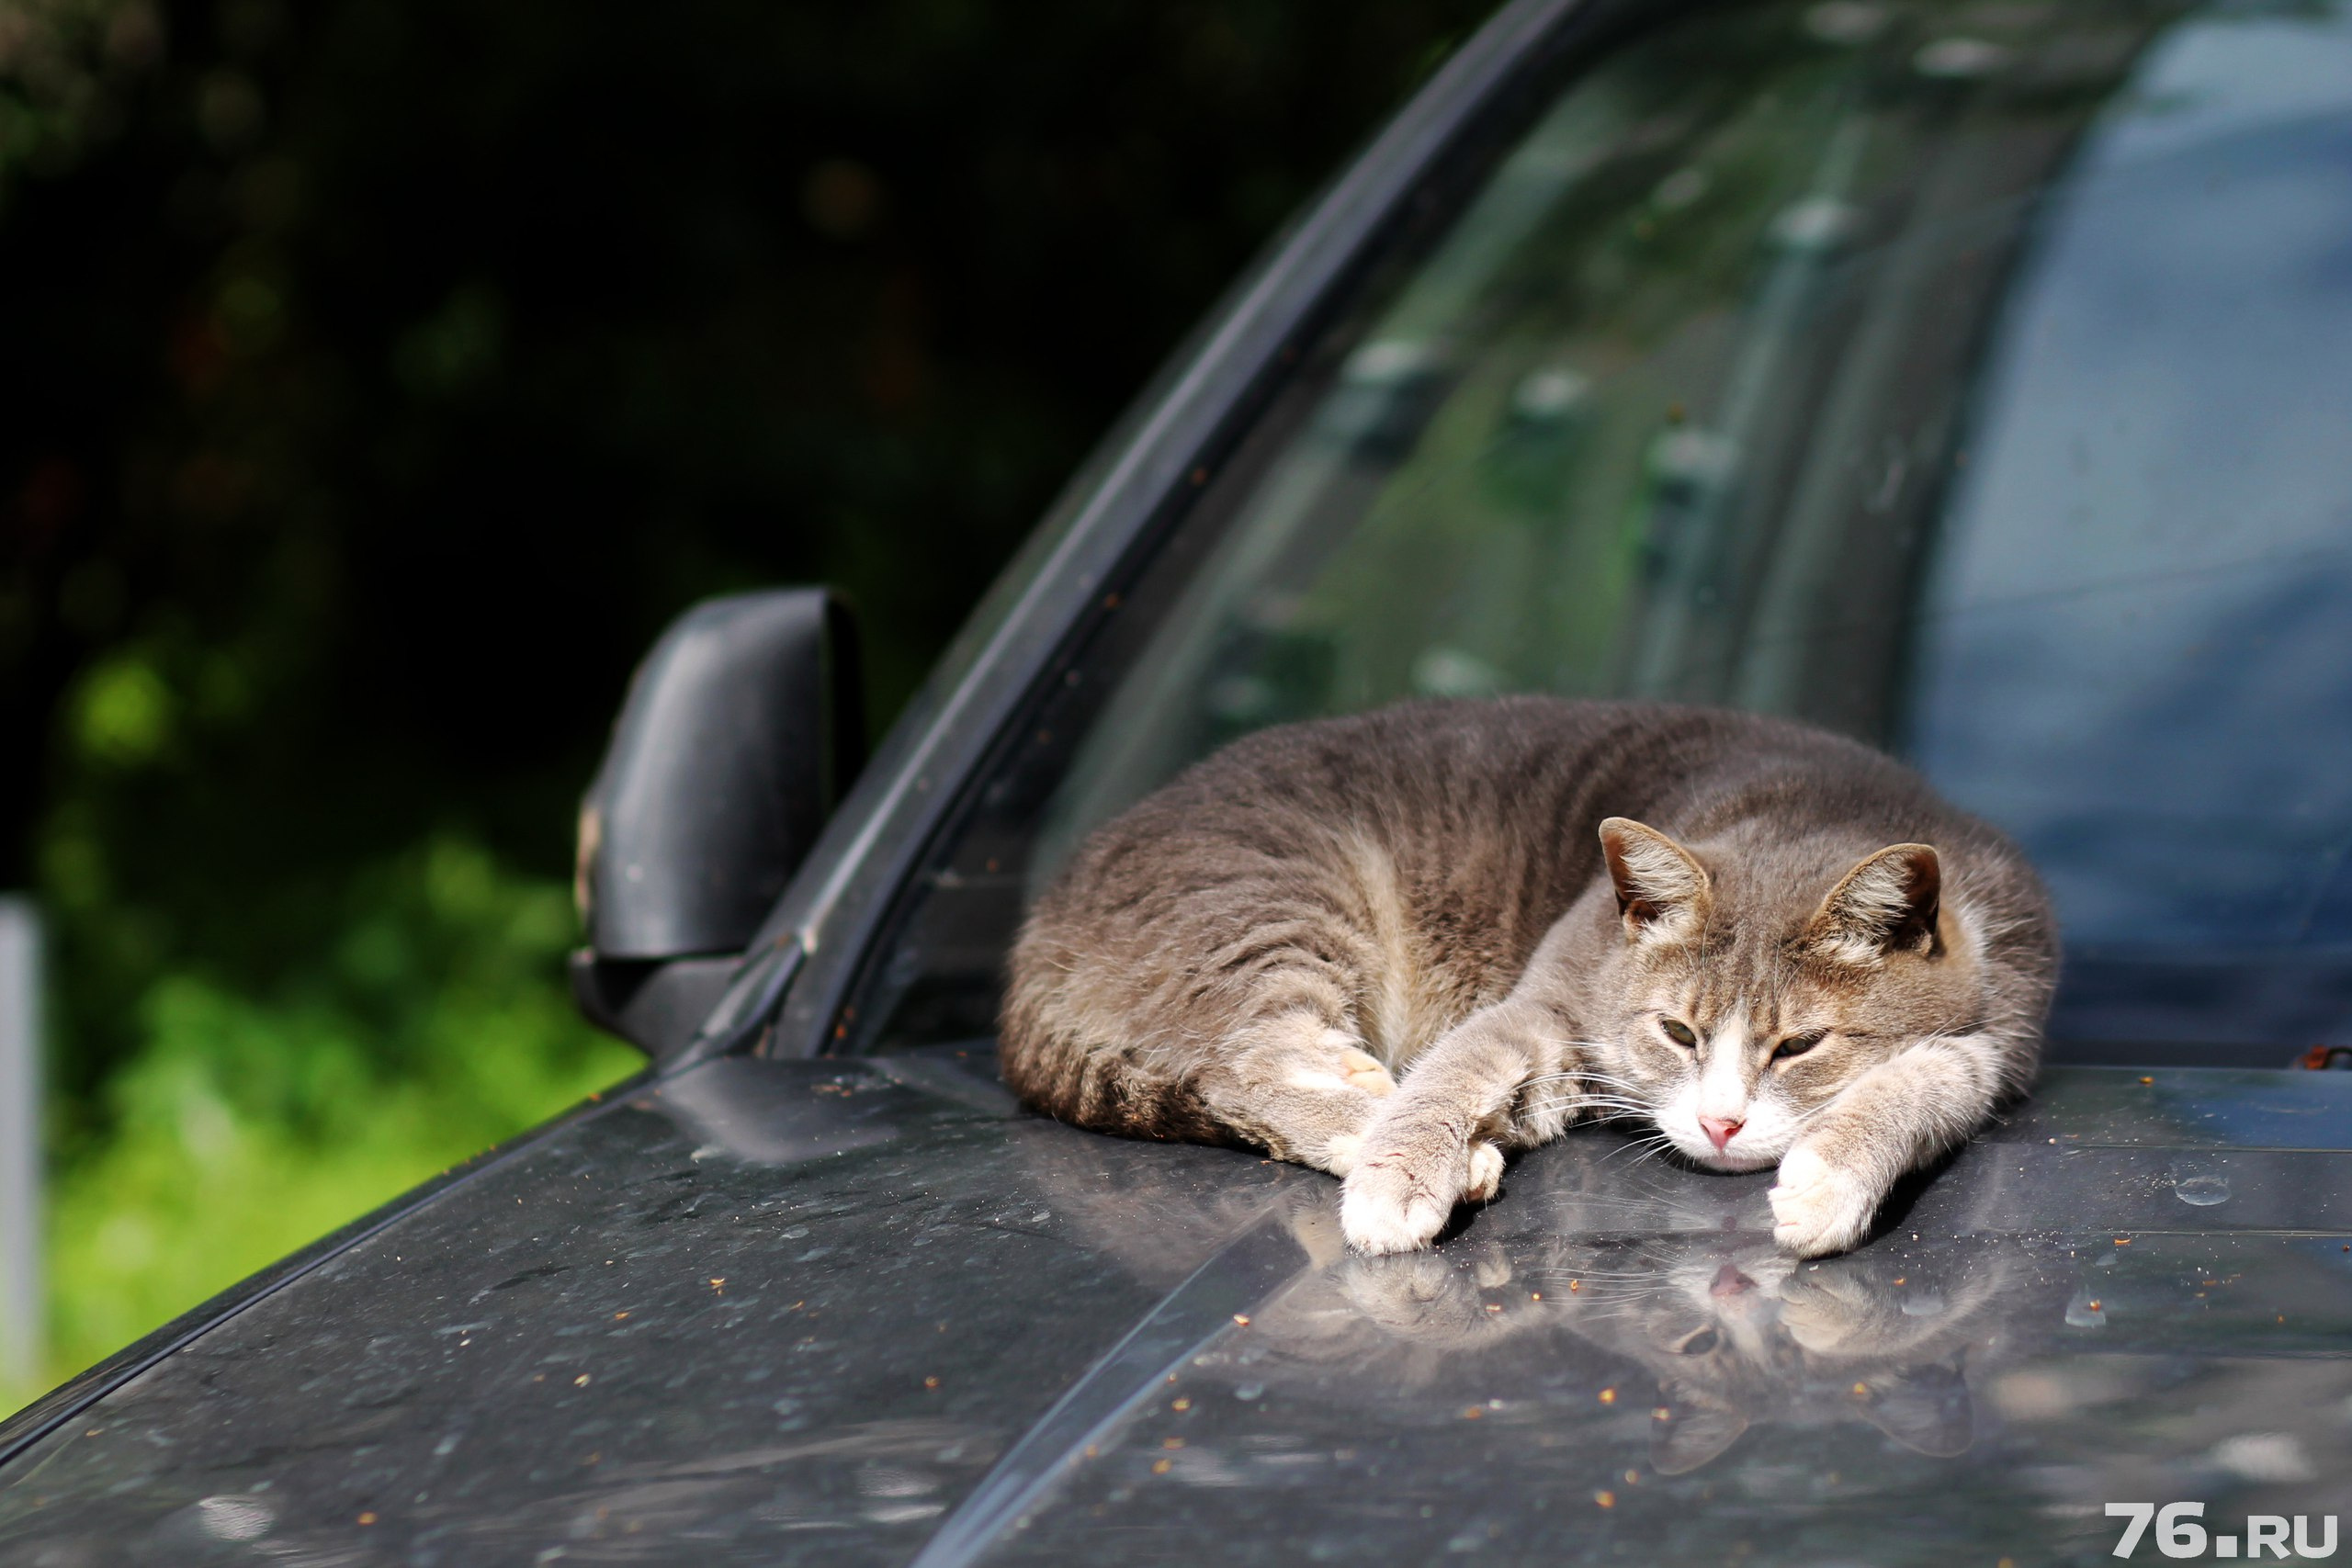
(869, 1312)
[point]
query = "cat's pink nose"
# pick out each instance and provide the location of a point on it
(1719, 1132)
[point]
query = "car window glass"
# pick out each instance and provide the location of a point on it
(2137, 636)
(1965, 378)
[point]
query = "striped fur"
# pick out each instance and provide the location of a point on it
(1395, 945)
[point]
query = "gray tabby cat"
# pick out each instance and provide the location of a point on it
(1395, 945)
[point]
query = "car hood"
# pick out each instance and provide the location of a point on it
(870, 1312)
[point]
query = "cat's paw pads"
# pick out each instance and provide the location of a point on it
(1818, 1209)
(1369, 1074)
(1486, 1173)
(1363, 1070)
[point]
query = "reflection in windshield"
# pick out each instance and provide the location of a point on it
(1962, 378)
(1615, 1364)
(1677, 1286)
(2138, 649)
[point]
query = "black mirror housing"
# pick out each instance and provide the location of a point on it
(741, 731)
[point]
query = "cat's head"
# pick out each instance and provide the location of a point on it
(1735, 1332)
(1739, 989)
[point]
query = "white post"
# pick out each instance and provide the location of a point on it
(21, 1303)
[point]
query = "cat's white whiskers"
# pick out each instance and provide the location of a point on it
(1589, 1102)
(1595, 1092)
(1806, 1118)
(1651, 1149)
(1587, 1071)
(1585, 1076)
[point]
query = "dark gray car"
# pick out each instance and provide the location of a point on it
(1969, 377)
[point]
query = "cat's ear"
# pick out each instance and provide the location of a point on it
(1887, 904)
(1687, 1435)
(1927, 1409)
(1661, 890)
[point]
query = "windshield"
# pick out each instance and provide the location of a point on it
(1968, 378)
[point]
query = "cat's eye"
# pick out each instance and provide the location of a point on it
(1698, 1344)
(1794, 1045)
(1678, 1032)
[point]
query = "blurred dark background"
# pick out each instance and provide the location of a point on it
(381, 375)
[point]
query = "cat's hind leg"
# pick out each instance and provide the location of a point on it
(1298, 1089)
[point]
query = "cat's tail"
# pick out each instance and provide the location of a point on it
(1071, 1066)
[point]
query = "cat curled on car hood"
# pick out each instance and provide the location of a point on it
(1396, 945)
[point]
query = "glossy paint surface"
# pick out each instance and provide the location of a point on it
(869, 1312)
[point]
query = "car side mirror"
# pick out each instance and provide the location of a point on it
(741, 731)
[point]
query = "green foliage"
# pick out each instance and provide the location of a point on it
(125, 713)
(433, 1025)
(383, 376)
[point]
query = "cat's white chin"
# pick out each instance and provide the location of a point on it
(1704, 1154)
(1730, 1161)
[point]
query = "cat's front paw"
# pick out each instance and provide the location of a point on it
(1825, 1309)
(1399, 1198)
(1817, 1208)
(1416, 1295)
(1390, 1207)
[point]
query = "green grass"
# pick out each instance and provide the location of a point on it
(433, 1025)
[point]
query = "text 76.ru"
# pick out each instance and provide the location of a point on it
(2179, 1535)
